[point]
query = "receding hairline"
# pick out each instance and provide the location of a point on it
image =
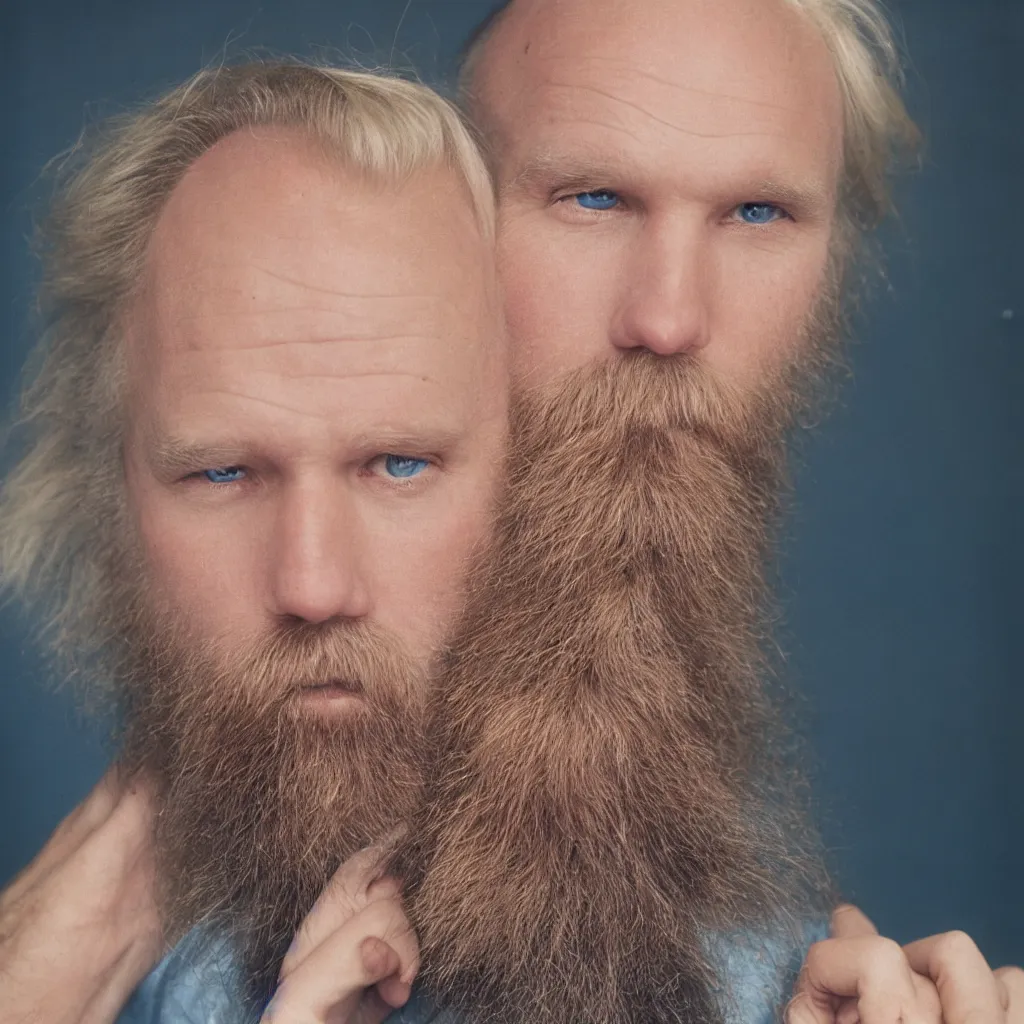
(297, 150)
(879, 136)
(61, 504)
(481, 33)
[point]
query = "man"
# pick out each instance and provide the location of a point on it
(259, 455)
(796, 312)
(293, 344)
(696, 178)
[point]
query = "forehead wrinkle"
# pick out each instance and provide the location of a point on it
(305, 307)
(664, 122)
(188, 274)
(341, 293)
(424, 375)
(589, 165)
(355, 374)
(339, 338)
(631, 72)
(300, 410)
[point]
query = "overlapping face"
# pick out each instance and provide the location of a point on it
(608, 786)
(315, 368)
(317, 420)
(668, 173)
(609, 790)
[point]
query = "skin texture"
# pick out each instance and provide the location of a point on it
(858, 975)
(300, 323)
(79, 927)
(355, 957)
(728, 103)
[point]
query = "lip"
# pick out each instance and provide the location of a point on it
(331, 693)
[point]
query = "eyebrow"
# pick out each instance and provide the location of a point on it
(543, 171)
(437, 437)
(171, 456)
(806, 198)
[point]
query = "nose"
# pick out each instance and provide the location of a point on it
(320, 565)
(664, 299)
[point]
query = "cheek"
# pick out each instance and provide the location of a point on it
(763, 301)
(558, 286)
(199, 564)
(421, 565)
(524, 264)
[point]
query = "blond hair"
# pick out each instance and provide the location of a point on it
(879, 134)
(62, 519)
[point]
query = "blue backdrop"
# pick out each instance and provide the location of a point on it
(904, 558)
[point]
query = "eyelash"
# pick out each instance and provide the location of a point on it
(402, 483)
(199, 475)
(559, 197)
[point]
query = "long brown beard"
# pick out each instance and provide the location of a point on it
(260, 801)
(607, 780)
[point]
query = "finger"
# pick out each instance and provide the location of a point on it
(371, 947)
(848, 1012)
(70, 833)
(850, 923)
(383, 963)
(355, 884)
(96, 809)
(1011, 991)
(872, 970)
(117, 983)
(117, 851)
(967, 987)
(802, 1009)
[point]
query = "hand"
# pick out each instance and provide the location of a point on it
(355, 957)
(858, 976)
(79, 927)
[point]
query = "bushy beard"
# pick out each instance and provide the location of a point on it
(261, 801)
(607, 776)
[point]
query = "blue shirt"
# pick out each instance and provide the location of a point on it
(195, 983)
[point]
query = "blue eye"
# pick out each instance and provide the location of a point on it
(224, 474)
(403, 468)
(601, 199)
(760, 213)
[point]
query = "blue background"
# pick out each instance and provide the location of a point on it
(903, 560)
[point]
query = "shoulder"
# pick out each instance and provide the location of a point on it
(196, 983)
(759, 969)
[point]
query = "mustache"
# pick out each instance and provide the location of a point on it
(640, 389)
(262, 675)
(302, 655)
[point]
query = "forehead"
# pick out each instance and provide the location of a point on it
(269, 252)
(663, 75)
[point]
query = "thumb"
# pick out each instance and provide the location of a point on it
(850, 923)
(380, 961)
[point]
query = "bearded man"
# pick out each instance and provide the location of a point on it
(694, 181)
(260, 451)
(570, 695)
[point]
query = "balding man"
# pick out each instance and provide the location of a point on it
(679, 193)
